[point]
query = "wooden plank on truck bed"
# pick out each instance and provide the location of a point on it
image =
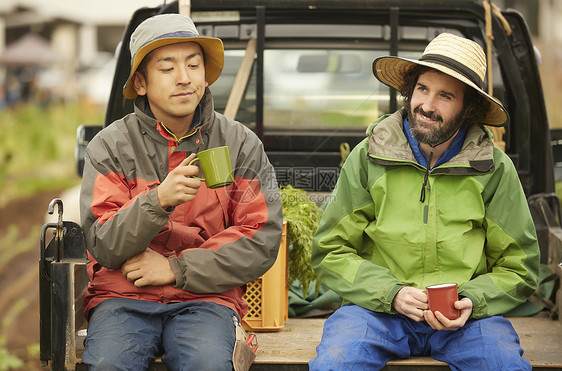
(541, 339)
(293, 346)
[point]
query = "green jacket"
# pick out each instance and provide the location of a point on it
(473, 228)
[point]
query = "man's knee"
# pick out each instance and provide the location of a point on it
(332, 359)
(104, 363)
(486, 344)
(114, 358)
(203, 360)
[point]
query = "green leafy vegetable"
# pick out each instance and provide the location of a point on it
(303, 217)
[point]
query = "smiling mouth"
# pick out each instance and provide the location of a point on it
(433, 117)
(426, 118)
(183, 94)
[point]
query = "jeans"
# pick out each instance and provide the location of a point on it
(127, 334)
(355, 338)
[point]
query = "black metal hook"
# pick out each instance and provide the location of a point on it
(57, 202)
(60, 225)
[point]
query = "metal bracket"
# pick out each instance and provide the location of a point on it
(248, 31)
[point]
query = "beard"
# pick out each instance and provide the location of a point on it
(435, 134)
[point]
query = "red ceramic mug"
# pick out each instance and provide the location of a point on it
(442, 298)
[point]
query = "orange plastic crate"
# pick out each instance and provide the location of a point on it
(268, 296)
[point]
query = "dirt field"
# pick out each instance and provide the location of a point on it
(20, 223)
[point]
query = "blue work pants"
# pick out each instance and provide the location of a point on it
(127, 334)
(355, 338)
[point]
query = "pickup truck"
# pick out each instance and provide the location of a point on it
(298, 73)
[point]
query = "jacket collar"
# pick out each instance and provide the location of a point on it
(388, 144)
(420, 156)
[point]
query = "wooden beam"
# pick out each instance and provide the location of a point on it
(184, 7)
(241, 81)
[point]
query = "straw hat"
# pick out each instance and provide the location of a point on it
(455, 56)
(166, 29)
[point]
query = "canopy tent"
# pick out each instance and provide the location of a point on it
(29, 50)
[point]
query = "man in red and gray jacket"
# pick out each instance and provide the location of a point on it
(170, 257)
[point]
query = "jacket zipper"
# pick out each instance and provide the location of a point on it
(426, 185)
(426, 177)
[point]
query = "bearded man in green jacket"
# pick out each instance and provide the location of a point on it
(427, 199)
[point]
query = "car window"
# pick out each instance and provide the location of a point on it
(322, 82)
(310, 89)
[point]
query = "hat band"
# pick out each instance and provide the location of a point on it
(169, 35)
(455, 66)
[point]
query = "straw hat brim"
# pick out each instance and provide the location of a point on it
(390, 71)
(214, 58)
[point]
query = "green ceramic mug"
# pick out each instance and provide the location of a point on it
(216, 167)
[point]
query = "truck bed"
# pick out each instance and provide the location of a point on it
(293, 346)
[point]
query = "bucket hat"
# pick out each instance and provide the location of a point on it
(166, 29)
(453, 55)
